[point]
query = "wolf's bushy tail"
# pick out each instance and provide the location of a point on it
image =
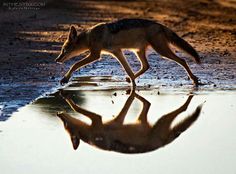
(188, 121)
(174, 39)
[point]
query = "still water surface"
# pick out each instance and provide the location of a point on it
(34, 140)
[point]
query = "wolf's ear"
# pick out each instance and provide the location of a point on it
(72, 34)
(75, 141)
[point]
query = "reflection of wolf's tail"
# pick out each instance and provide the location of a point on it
(188, 121)
(174, 39)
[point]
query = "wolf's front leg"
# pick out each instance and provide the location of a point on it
(119, 55)
(89, 59)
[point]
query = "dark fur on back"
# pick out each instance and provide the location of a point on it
(126, 24)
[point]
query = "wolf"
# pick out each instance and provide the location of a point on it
(131, 34)
(135, 137)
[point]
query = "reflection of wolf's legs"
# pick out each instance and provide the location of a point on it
(162, 126)
(184, 124)
(146, 105)
(165, 121)
(96, 119)
(119, 119)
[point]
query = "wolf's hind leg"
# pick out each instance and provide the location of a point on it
(163, 48)
(144, 63)
(95, 118)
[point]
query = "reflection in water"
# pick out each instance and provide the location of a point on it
(53, 102)
(114, 135)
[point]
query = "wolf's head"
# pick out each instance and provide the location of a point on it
(70, 128)
(73, 46)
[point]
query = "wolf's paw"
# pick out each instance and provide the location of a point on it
(195, 81)
(64, 80)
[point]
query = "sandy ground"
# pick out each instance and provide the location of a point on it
(31, 39)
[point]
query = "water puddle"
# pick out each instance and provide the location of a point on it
(89, 128)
